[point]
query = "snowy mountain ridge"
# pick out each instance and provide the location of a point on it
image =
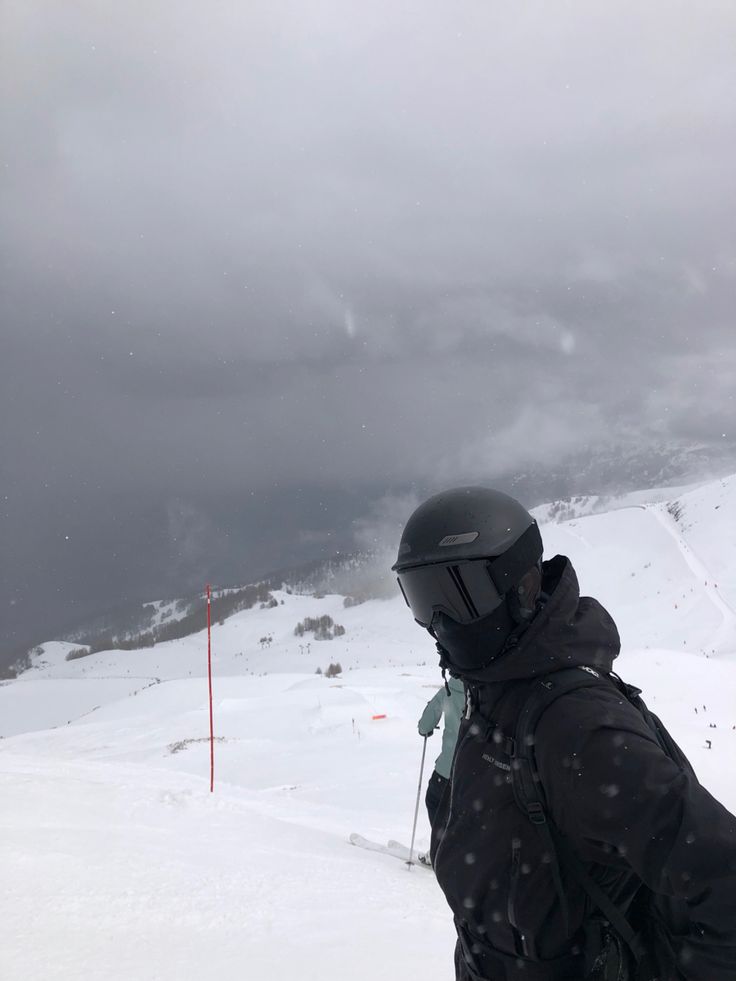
(360, 575)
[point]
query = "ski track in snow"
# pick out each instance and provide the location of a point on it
(726, 633)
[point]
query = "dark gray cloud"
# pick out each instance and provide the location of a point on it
(305, 253)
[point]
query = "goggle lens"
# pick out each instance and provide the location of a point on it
(464, 591)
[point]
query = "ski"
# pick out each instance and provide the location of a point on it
(394, 848)
(421, 858)
(400, 848)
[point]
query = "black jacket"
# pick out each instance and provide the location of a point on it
(626, 809)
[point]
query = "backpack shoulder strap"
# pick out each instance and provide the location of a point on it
(527, 791)
(529, 794)
(525, 782)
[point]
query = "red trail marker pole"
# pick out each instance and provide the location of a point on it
(209, 678)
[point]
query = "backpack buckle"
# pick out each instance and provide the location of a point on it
(536, 812)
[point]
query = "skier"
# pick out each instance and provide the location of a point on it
(588, 851)
(450, 702)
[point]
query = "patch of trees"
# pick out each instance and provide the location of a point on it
(77, 652)
(362, 574)
(323, 628)
(221, 607)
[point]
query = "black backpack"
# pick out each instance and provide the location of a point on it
(529, 796)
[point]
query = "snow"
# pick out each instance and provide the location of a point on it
(167, 611)
(118, 862)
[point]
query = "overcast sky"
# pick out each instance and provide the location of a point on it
(263, 262)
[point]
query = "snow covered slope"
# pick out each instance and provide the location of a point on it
(118, 862)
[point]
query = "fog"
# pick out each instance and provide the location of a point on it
(267, 266)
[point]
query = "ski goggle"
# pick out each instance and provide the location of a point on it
(462, 590)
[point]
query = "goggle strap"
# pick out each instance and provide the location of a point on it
(506, 570)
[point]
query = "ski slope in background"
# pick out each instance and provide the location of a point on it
(118, 863)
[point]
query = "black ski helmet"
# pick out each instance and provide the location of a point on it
(461, 554)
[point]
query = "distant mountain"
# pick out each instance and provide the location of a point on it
(620, 469)
(359, 576)
(577, 484)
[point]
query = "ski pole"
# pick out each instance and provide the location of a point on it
(416, 809)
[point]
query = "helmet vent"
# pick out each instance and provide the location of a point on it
(465, 539)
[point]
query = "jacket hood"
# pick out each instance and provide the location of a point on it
(569, 630)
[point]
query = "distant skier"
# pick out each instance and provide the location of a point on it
(450, 702)
(577, 842)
